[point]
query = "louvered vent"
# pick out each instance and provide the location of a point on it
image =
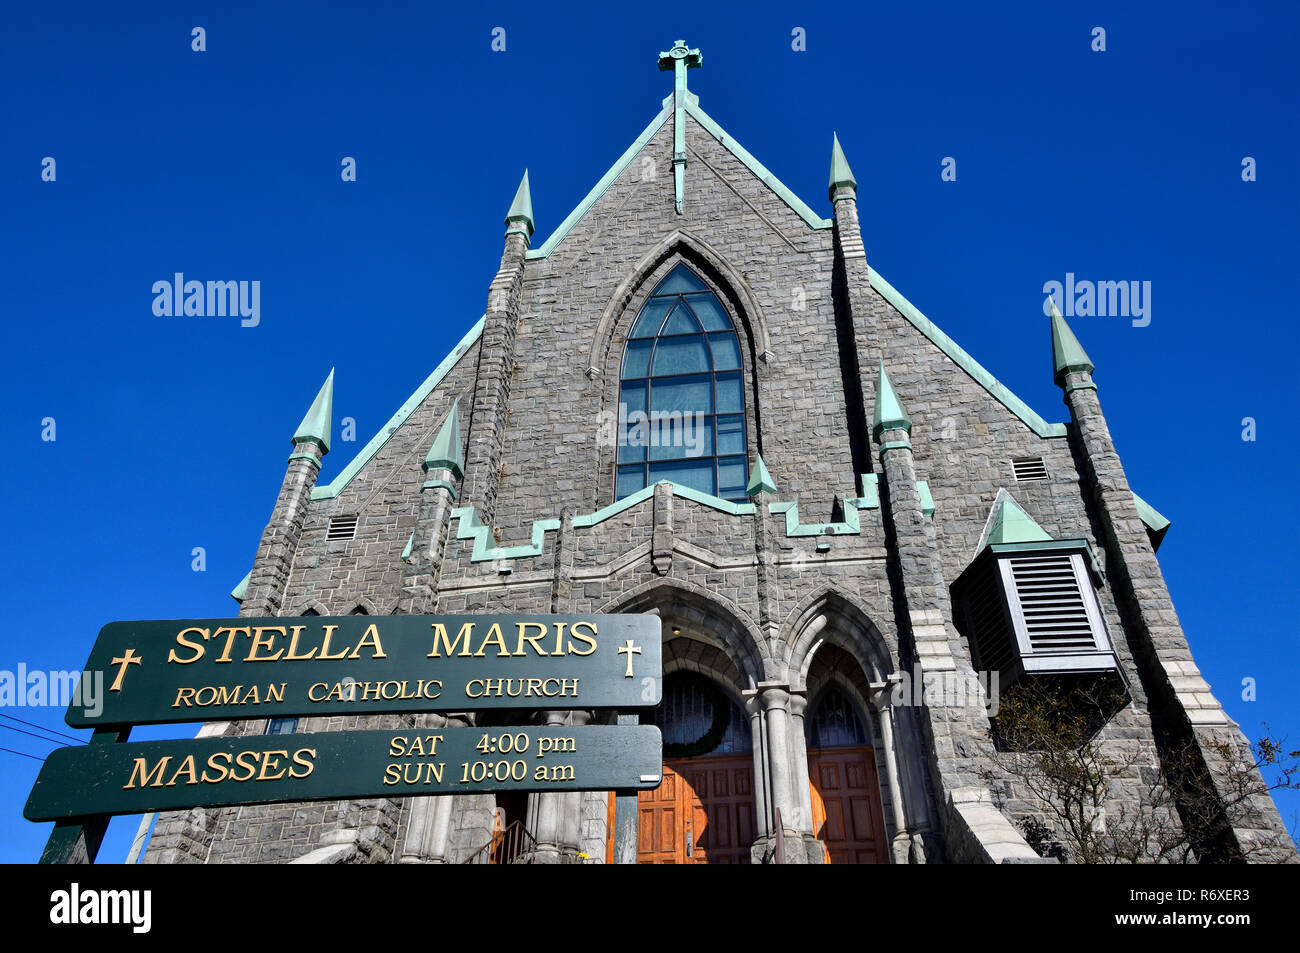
(1051, 603)
(991, 636)
(1028, 469)
(341, 527)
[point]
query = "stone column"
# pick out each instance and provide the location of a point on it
(802, 789)
(902, 841)
(549, 811)
(775, 699)
(758, 741)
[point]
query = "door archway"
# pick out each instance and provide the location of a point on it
(703, 812)
(843, 784)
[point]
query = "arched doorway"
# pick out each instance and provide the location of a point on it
(703, 812)
(843, 782)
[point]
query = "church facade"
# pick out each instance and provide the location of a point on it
(697, 399)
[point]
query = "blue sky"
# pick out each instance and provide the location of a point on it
(172, 433)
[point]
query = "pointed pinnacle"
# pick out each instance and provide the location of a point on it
(889, 414)
(520, 216)
(760, 481)
(841, 174)
(446, 450)
(315, 427)
(1067, 354)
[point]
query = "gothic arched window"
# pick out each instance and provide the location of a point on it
(681, 396)
(834, 723)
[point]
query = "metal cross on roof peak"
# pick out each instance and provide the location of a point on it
(679, 59)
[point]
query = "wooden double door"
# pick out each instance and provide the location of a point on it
(703, 812)
(847, 816)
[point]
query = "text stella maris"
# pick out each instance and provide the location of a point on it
(280, 643)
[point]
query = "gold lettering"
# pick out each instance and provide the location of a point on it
(275, 695)
(590, 640)
(213, 765)
(270, 760)
(186, 643)
(185, 694)
(530, 639)
(462, 639)
(472, 683)
(495, 637)
(534, 687)
(559, 637)
(311, 697)
(397, 747)
(147, 778)
(293, 655)
(230, 639)
(187, 767)
(308, 763)
(370, 638)
(569, 687)
(325, 646)
(259, 641)
(241, 763)
(392, 774)
(549, 692)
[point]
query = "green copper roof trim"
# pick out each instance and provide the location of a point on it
(760, 481)
(850, 526)
(1008, 523)
(963, 360)
(440, 485)
(367, 453)
(410, 544)
(767, 178)
(315, 427)
(240, 590)
(603, 185)
(446, 453)
(1067, 353)
(889, 413)
(521, 209)
(870, 485)
(927, 501)
(470, 528)
(841, 174)
(1156, 524)
(894, 445)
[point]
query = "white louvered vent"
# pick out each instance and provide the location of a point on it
(1028, 469)
(1051, 603)
(994, 644)
(341, 527)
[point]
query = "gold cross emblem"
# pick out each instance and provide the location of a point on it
(629, 650)
(122, 661)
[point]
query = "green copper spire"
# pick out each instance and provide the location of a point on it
(889, 412)
(520, 216)
(760, 481)
(1008, 523)
(315, 427)
(446, 451)
(1066, 350)
(841, 174)
(679, 59)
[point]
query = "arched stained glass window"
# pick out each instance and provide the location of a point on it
(681, 397)
(834, 723)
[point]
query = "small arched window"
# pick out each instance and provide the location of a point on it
(834, 723)
(681, 396)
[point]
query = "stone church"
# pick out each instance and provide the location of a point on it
(697, 399)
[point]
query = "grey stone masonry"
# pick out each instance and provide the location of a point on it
(1183, 709)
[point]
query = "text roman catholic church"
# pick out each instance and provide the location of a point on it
(838, 502)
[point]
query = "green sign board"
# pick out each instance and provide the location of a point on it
(219, 669)
(165, 775)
